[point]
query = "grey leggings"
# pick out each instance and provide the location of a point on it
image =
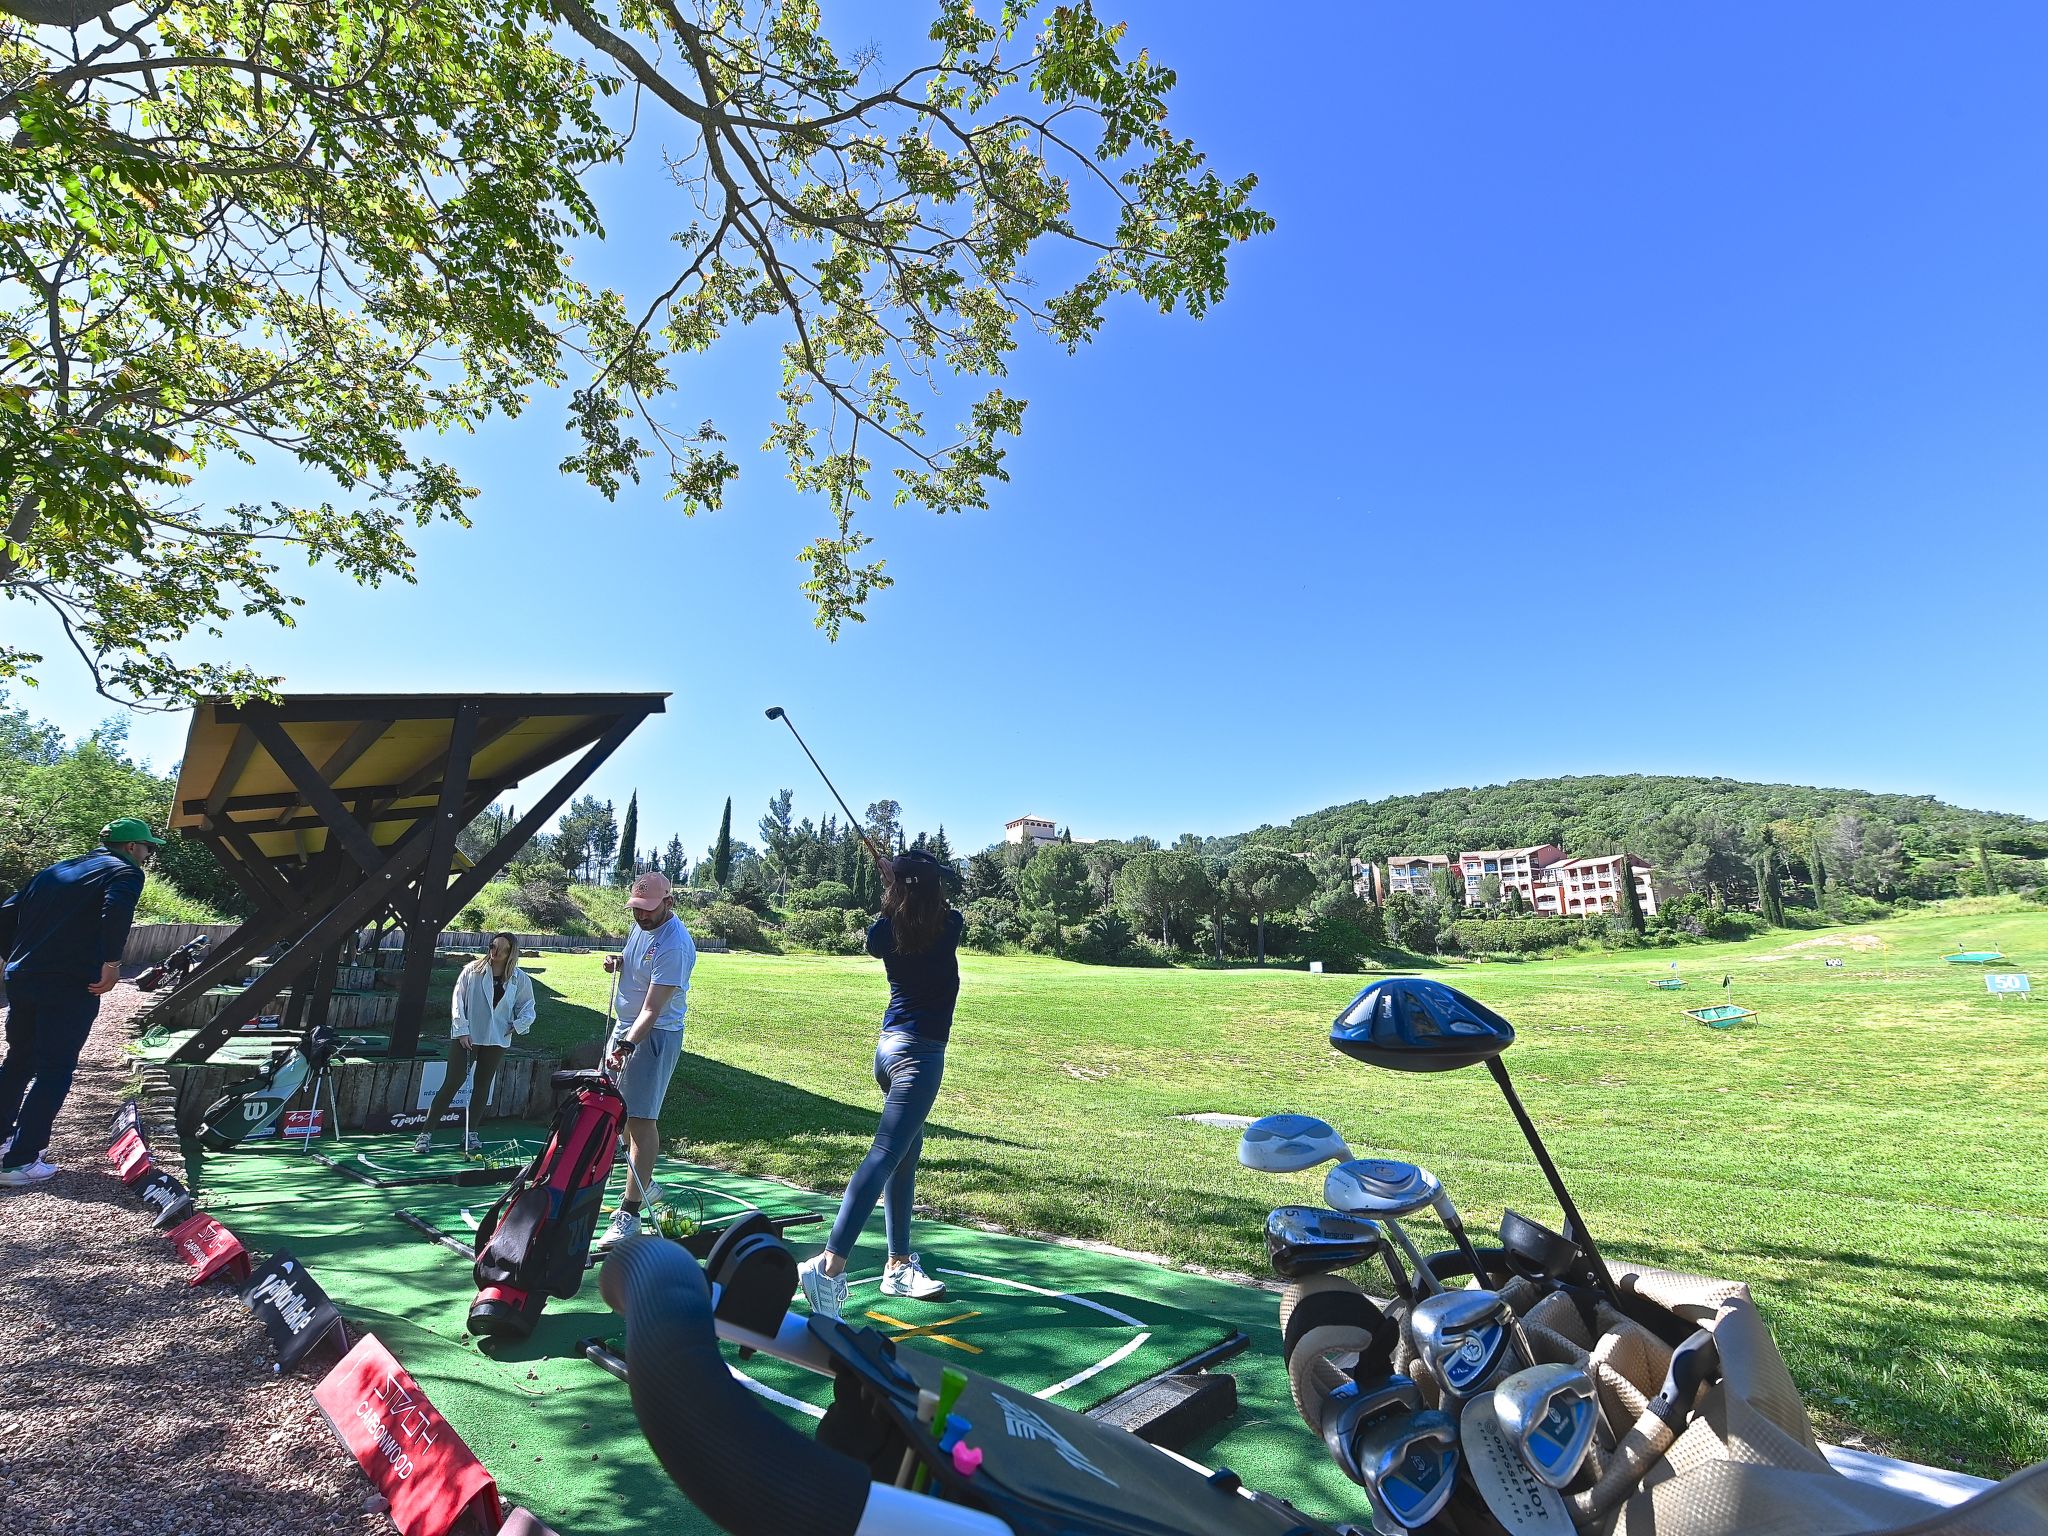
(907, 1070)
(460, 1054)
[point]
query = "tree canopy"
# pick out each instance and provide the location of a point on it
(327, 233)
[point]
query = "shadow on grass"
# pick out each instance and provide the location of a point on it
(711, 1101)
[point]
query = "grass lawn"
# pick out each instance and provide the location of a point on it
(1868, 1155)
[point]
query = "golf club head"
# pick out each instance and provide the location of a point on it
(774, 712)
(1303, 1240)
(1548, 1413)
(1289, 1143)
(1380, 1186)
(1353, 1409)
(1413, 1025)
(1408, 1464)
(1463, 1338)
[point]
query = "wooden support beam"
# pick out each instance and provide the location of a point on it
(448, 820)
(539, 813)
(427, 706)
(319, 794)
(342, 758)
(239, 752)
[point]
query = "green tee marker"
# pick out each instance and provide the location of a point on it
(951, 1384)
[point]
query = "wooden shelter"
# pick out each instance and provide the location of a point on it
(331, 811)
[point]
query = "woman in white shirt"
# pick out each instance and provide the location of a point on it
(493, 1002)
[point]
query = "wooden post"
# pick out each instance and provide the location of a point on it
(432, 893)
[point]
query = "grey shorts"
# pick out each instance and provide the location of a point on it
(643, 1080)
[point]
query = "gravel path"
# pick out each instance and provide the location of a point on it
(133, 1403)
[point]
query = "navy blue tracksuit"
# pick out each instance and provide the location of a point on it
(57, 932)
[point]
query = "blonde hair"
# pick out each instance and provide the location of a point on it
(481, 965)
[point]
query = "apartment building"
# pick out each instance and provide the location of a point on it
(1551, 884)
(1413, 873)
(1584, 887)
(1520, 869)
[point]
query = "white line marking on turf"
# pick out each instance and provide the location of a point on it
(1112, 1358)
(774, 1396)
(1101, 1365)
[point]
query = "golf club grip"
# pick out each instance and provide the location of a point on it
(749, 1472)
(1649, 1438)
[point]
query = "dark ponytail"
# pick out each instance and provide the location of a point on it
(914, 901)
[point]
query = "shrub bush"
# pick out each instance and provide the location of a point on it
(1510, 935)
(1106, 939)
(991, 924)
(544, 899)
(824, 895)
(1336, 941)
(821, 931)
(729, 921)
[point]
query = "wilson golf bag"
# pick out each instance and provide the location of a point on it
(174, 967)
(533, 1242)
(254, 1106)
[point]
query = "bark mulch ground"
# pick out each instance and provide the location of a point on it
(132, 1402)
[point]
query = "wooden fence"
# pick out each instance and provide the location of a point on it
(369, 1091)
(348, 1012)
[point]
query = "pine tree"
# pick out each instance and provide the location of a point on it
(721, 851)
(674, 861)
(629, 853)
(1631, 905)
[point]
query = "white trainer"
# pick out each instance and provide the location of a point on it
(824, 1294)
(424, 1142)
(28, 1173)
(909, 1279)
(472, 1143)
(625, 1224)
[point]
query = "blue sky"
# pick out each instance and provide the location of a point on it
(1625, 389)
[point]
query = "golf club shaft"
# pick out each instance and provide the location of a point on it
(851, 819)
(1425, 1277)
(1575, 1224)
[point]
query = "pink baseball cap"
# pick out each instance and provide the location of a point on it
(649, 891)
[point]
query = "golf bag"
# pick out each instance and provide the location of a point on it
(253, 1106)
(174, 967)
(534, 1240)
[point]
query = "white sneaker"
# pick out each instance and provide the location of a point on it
(472, 1143)
(6, 1146)
(909, 1279)
(625, 1224)
(35, 1173)
(824, 1294)
(424, 1142)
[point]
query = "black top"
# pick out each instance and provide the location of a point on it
(922, 987)
(69, 920)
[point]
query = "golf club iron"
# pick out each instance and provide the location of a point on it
(1352, 1410)
(1388, 1188)
(777, 712)
(1464, 1338)
(1548, 1413)
(1408, 1465)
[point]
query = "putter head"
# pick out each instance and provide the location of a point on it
(1380, 1186)
(1413, 1025)
(1548, 1413)
(1289, 1143)
(1408, 1464)
(1303, 1240)
(1463, 1338)
(1353, 1409)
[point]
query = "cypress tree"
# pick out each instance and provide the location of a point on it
(1984, 863)
(1631, 905)
(721, 851)
(629, 855)
(1819, 871)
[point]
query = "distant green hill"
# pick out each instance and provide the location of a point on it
(1706, 833)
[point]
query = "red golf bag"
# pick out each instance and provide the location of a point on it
(533, 1242)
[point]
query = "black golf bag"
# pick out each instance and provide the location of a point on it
(253, 1106)
(534, 1240)
(174, 967)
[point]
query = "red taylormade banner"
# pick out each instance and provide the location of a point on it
(210, 1248)
(417, 1462)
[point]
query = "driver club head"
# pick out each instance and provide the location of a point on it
(1380, 1186)
(774, 711)
(1463, 1338)
(1408, 1464)
(1548, 1414)
(1289, 1143)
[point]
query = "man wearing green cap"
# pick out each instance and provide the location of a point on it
(62, 934)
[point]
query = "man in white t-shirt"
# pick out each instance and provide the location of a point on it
(647, 1033)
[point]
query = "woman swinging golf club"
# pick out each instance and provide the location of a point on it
(917, 939)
